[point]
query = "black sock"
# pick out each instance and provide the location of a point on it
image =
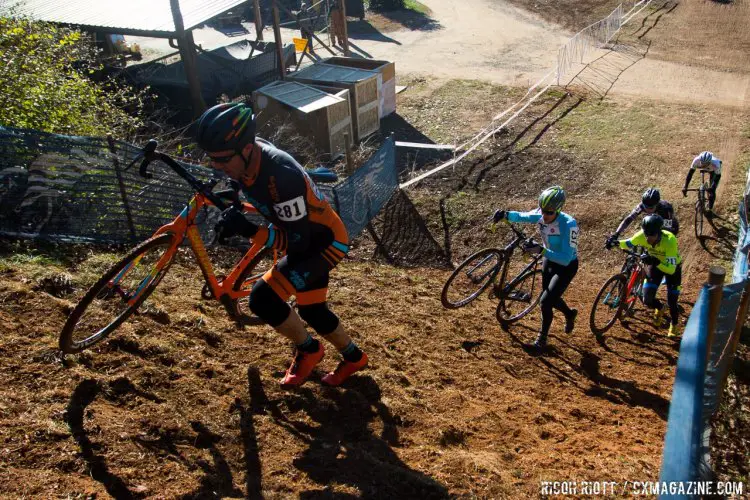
(351, 353)
(309, 345)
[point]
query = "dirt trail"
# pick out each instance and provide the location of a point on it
(514, 47)
(508, 46)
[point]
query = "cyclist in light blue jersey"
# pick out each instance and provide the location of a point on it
(559, 233)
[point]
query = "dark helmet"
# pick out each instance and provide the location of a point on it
(226, 126)
(552, 198)
(652, 224)
(651, 197)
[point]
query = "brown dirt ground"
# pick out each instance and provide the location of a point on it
(572, 14)
(183, 404)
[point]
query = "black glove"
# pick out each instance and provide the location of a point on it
(611, 241)
(232, 222)
(532, 248)
(650, 260)
(684, 192)
(499, 215)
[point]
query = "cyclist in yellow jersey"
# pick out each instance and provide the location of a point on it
(663, 262)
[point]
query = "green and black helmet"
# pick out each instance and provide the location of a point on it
(552, 199)
(229, 126)
(652, 224)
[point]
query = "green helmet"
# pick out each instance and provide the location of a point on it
(552, 199)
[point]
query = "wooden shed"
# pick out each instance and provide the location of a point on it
(317, 114)
(386, 83)
(363, 92)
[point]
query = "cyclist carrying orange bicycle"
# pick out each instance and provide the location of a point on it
(663, 262)
(559, 233)
(303, 225)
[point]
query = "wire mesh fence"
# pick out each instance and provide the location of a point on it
(87, 189)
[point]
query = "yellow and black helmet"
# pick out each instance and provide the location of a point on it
(552, 199)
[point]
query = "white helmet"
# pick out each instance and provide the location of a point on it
(706, 158)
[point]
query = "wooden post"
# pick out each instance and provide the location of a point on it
(121, 184)
(187, 54)
(277, 39)
(258, 20)
(716, 276)
(348, 146)
(342, 6)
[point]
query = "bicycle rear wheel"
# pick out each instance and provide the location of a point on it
(471, 278)
(519, 298)
(117, 294)
(608, 304)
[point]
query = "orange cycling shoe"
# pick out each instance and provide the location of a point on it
(302, 367)
(344, 371)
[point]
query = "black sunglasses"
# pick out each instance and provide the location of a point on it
(549, 212)
(222, 159)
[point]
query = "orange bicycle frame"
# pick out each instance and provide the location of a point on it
(184, 226)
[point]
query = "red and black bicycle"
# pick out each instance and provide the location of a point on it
(619, 295)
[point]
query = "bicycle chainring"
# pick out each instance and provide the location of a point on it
(206, 293)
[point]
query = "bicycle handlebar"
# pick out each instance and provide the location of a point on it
(635, 254)
(150, 154)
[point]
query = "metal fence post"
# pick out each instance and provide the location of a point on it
(716, 275)
(121, 184)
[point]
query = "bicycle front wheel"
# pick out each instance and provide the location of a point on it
(699, 214)
(608, 304)
(518, 298)
(117, 294)
(471, 278)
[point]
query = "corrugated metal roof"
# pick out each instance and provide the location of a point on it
(130, 17)
(331, 73)
(303, 97)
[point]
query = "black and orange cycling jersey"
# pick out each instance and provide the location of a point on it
(303, 224)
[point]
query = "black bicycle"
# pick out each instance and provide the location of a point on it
(701, 204)
(489, 267)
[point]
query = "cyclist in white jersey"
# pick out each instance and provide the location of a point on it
(706, 162)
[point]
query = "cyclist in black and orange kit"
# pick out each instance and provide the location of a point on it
(303, 225)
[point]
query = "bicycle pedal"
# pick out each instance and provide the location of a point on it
(520, 296)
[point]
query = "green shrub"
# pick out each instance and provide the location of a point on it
(44, 74)
(386, 5)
